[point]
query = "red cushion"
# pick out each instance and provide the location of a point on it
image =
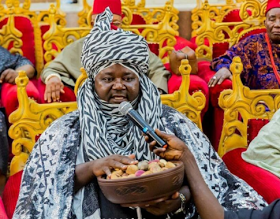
(11, 193)
(206, 41)
(264, 182)
(219, 49)
(9, 95)
(254, 126)
(182, 42)
(216, 91)
(3, 214)
(25, 26)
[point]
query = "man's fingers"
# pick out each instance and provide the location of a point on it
(162, 134)
(221, 80)
(57, 92)
(107, 171)
(175, 195)
(131, 156)
(3, 76)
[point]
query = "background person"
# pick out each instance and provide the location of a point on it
(65, 68)
(259, 54)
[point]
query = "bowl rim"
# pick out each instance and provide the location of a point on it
(167, 172)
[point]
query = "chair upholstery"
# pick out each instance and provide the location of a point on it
(245, 112)
(264, 182)
(3, 214)
(11, 193)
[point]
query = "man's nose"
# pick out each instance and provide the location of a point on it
(118, 84)
(277, 23)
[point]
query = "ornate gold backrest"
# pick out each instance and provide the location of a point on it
(207, 24)
(161, 23)
(240, 105)
(9, 33)
(58, 36)
(31, 118)
(60, 17)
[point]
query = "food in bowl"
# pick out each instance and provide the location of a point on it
(143, 168)
(139, 186)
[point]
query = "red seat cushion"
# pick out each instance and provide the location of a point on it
(3, 214)
(264, 182)
(11, 193)
(9, 95)
(254, 126)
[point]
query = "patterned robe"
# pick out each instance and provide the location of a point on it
(253, 51)
(48, 179)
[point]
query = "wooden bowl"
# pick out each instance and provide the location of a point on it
(143, 188)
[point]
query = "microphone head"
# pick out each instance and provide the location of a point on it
(125, 107)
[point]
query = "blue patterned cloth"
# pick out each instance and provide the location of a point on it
(9, 60)
(253, 51)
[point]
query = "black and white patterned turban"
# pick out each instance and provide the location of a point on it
(104, 46)
(104, 131)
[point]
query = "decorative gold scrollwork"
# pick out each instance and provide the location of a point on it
(240, 105)
(208, 24)
(29, 121)
(161, 23)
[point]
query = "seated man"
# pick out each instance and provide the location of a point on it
(9, 65)
(59, 179)
(264, 150)
(259, 54)
(65, 68)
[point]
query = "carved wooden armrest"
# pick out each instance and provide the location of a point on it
(240, 105)
(29, 121)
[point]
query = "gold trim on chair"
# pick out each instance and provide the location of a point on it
(240, 105)
(161, 23)
(208, 24)
(30, 120)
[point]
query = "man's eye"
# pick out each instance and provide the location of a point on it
(107, 79)
(128, 79)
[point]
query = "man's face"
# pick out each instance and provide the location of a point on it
(117, 20)
(116, 84)
(272, 24)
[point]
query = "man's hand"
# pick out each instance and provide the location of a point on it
(175, 149)
(9, 76)
(54, 87)
(219, 77)
(177, 56)
(164, 205)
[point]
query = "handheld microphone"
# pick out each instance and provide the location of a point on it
(126, 109)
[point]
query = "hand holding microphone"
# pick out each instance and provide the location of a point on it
(126, 109)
